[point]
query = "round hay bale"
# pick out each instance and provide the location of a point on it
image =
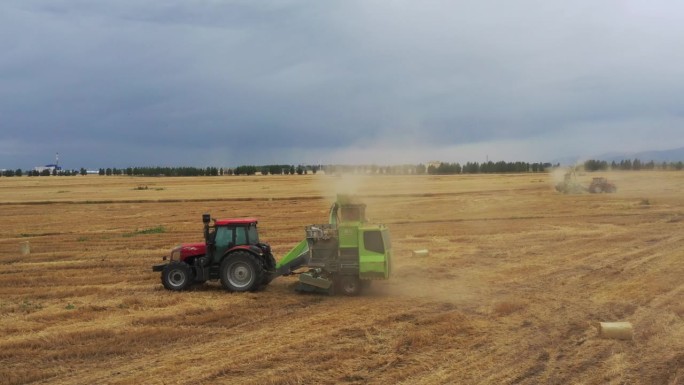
(616, 330)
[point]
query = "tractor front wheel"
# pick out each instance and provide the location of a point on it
(240, 271)
(176, 276)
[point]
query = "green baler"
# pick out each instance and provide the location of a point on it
(343, 255)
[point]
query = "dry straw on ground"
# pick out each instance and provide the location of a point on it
(516, 278)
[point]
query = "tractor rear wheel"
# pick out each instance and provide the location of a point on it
(241, 271)
(349, 285)
(176, 276)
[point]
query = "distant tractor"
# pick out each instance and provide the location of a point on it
(570, 185)
(342, 255)
(601, 185)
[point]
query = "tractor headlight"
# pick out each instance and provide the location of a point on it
(176, 254)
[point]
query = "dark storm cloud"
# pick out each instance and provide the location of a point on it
(230, 82)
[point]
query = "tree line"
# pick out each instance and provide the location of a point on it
(210, 171)
(45, 172)
(443, 168)
(162, 171)
(487, 168)
(631, 165)
(274, 169)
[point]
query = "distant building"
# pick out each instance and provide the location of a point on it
(51, 167)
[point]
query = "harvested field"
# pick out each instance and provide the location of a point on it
(516, 280)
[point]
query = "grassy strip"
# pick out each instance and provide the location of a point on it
(152, 230)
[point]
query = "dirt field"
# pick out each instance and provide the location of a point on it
(516, 280)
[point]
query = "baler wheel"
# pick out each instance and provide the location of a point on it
(349, 285)
(240, 271)
(176, 276)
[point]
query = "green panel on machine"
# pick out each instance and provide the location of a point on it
(375, 253)
(297, 254)
(349, 236)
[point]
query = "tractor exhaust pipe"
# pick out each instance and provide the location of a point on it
(206, 218)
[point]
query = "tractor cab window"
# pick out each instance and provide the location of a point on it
(373, 241)
(253, 234)
(224, 236)
(240, 236)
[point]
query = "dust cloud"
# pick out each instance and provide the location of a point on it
(557, 175)
(418, 285)
(349, 184)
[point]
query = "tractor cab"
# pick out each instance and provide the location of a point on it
(227, 234)
(601, 185)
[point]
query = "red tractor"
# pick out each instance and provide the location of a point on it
(231, 253)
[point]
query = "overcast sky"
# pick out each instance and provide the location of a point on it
(185, 82)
